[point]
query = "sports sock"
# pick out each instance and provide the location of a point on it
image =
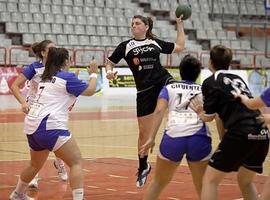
(21, 187)
(77, 194)
(143, 162)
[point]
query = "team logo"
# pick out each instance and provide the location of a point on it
(136, 61)
(141, 50)
(140, 68)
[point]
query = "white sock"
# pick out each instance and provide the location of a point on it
(21, 187)
(77, 194)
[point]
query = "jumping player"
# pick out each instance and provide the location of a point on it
(142, 54)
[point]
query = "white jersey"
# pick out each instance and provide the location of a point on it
(182, 120)
(33, 73)
(52, 102)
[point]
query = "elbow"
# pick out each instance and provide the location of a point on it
(252, 106)
(90, 92)
(179, 48)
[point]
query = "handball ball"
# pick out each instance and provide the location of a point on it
(184, 10)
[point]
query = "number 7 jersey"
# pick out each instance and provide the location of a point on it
(52, 102)
(182, 120)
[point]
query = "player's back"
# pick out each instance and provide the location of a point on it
(182, 120)
(51, 104)
(219, 90)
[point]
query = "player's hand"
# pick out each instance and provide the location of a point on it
(179, 19)
(110, 75)
(196, 104)
(150, 143)
(93, 67)
(25, 107)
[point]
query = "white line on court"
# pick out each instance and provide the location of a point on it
(116, 176)
(110, 189)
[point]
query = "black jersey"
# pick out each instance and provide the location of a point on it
(142, 57)
(218, 91)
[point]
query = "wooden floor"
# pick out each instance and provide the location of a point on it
(106, 131)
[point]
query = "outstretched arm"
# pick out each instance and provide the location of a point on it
(196, 104)
(254, 103)
(92, 70)
(180, 38)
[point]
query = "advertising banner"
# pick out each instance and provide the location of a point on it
(7, 76)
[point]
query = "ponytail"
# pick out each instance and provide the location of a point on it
(55, 61)
(38, 47)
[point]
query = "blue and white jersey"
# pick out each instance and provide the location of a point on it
(182, 120)
(52, 101)
(33, 73)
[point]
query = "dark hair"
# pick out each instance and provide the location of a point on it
(55, 61)
(221, 57)
(38, 47)
(147, 21)
(190, 68)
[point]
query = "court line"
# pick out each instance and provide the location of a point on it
(116, 176)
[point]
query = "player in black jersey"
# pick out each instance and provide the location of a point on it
(245, 143)
(142, 54)
(255, 103)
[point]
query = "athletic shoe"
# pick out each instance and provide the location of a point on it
(34, 183)
(15, 196)
(62, 173)
(142, 176)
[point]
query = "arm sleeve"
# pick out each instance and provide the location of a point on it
(210, 97)
(265, 96)
(166, 47)
(164, 94)
(29, 71)
(74, 85)
(118, 53)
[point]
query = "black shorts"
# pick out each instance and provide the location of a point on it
(235, 151)
(147, 99)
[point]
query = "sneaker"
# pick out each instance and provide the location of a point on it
(142, 176)
(62, 173)
(34, 183)
(15, 196)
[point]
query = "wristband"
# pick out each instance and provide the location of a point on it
(109, 71)
(93, 75)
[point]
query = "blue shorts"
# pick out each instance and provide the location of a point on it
(196, 147)
(50, 139)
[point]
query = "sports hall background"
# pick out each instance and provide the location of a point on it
(105, 125)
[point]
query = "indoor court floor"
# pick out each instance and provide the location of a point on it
(105, 128)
